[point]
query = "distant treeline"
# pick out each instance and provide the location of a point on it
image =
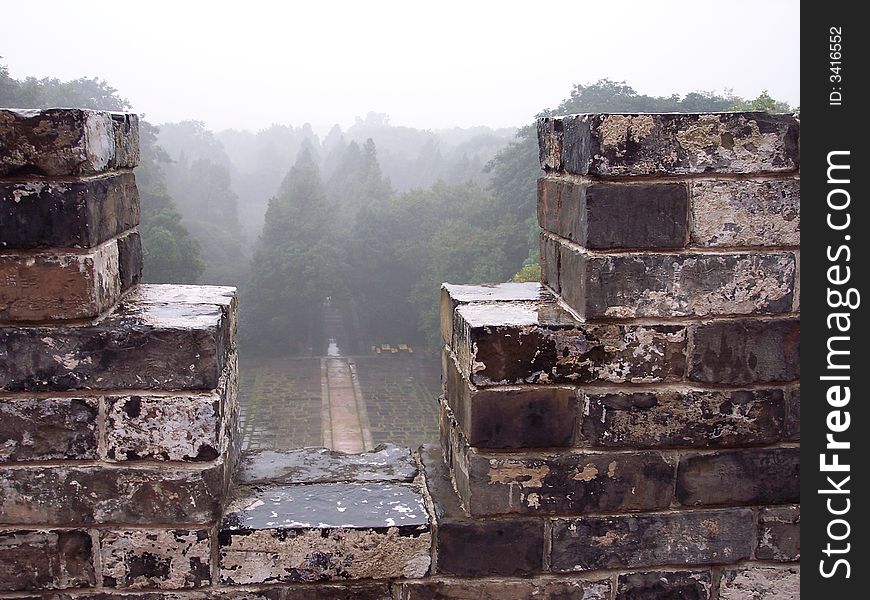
(374, 217)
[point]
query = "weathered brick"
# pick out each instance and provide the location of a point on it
(793, 418)
(57, 286)
(563, 484)
(752, 476)
(779, 533)
(649, 540)
(505, 589)
(512, 343)
(155, 558)
(322, 532)
(144, 343)
(664, 585)
(474, 548)
(550, 262)
(183, 427)
(129, 260)
(746, 213)
(614, 145)
(301, 591)
(517, 417)
(676, 285)
(741, 352)
(83, 495)
(34, 428)
(40, 560)
(761, 583)
(614, 215)
(683, 418)
(65, 141)
(66, 214)
(453, 295)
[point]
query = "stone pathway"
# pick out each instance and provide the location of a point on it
(345, 420)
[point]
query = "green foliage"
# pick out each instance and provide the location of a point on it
(296, 264)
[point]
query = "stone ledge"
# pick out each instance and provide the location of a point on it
(151, 340)
(512, 343)
(618, 145)
(321, 532)
(60, 142)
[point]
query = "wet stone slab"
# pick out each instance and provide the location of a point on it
(387, 462)
(512, 342)
(323, 532)
(151, 344)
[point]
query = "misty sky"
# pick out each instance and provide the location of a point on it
(426, 64)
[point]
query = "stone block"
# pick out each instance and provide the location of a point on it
(130, 259)
(321, 532)
(60, 142)
(510, 417)
(453, 295)
(761, 583)
(683, 418)
(45, 559)
(741, 352)
(752, 476)
(746, 213)
(315, 591)
(67, 214)
(563, 484)
(650, 540)
(551, 265)
(602, 216)
(145, 342)
(59, 286)
(387, 462)
(84, 495)
(618, 145)
(676, 285)
(665, 585)
(779, 533)
(467, 547)
(179, 427)
(513, 343)
(35, 428)
(505, 589)
(155, 558)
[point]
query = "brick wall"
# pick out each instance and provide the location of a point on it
(627, 430)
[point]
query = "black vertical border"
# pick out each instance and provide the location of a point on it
(825, 127)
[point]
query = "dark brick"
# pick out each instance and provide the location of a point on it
(130, 259)
(550, 262)
(613, 145)
(612, 215)
(539, 417)
(511, 343)
(649, 540)
(57, 214)
(741, 352)
(753, 476)
(66, 141)
(453, 296)
(565, 484)
(664, 585)
(40, 560)
(793, 418)
(476, 548)
(139, 345)
(676, 285)
(683, 418)
(84, 495)
(501, 589)
(48, 428)
(779, 533)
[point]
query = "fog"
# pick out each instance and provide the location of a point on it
(337, 162)
(427, 65)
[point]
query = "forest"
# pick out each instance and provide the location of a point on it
(368, 220)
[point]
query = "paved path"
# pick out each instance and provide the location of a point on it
(345, 420)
